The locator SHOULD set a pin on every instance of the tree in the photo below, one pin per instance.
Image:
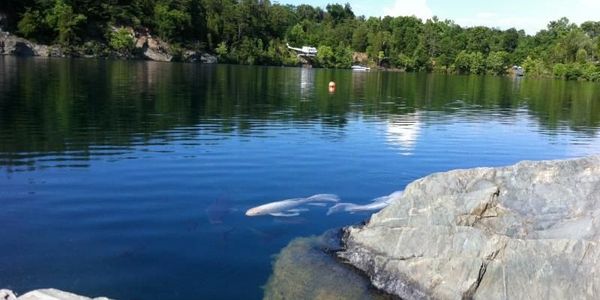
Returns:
(463, 62)
(496, 62)
(30, 25)
(477, 63)
(360, 38)
(533, 67)
(65, 22)
(326, 57)
(170, 21)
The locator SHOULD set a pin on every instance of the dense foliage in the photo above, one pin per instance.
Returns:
(256, 32)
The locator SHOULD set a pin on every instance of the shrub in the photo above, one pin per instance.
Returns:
(122, 41)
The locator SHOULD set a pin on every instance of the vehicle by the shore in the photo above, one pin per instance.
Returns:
(360, 68)
(518, 71)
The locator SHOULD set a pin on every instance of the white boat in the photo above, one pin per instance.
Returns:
(360, 68)
(304, 51)
(519, 71)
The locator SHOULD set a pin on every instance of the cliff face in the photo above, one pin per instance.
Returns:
(147, 47)
(528, 231)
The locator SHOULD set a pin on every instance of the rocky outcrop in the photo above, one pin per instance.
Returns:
(147, 47)
(305, 269)
(199, 57)
(154, 49)
(45, 294)
(528, 231)
(13, 45)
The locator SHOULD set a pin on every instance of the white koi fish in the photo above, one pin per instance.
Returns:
(376, 204)
(287, 208)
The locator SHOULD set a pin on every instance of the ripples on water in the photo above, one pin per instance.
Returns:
(131, 179)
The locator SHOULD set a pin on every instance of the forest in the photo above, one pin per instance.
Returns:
(255, 32)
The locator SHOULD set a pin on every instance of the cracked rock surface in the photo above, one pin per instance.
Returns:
(527, 231)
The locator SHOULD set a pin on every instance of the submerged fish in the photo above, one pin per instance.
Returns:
(287, 208)
(376, 204)
(218, 210)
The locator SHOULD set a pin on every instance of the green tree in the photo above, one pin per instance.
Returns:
(326, 57)
(122, 41)
(463, 62)
(477, 63)
(30, 24)
(581, 56)
(170, 21)
(533, 67)
(65, 22)
(496, 62)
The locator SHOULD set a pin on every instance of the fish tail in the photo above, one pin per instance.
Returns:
(340, 207)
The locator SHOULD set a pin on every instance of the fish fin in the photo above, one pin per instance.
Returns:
(284, 214)
(297, 210)
(323, 197)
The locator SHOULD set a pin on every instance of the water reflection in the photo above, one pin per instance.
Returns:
(71, 111)
(307, 83)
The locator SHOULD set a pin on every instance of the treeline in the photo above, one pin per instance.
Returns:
(256, 32)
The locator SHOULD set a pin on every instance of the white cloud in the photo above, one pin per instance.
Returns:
(418, 8)
(530, 24)
(533, 21)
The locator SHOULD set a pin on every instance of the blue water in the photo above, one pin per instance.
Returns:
(130, 179)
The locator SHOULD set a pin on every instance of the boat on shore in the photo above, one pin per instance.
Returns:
(360, 68)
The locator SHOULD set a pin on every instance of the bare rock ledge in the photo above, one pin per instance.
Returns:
(45, 294)
(528, 231)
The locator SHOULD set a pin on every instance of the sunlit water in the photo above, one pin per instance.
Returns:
(131, 179)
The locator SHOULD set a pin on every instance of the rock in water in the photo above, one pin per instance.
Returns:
(528, 231)
(304, 270)
(7, 295)
(45, 294)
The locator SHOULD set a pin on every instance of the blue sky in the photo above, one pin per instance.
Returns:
(531, 15)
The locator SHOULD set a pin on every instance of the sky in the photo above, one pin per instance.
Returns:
(530, 15)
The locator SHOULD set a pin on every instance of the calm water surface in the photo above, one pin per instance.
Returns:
(131, 179)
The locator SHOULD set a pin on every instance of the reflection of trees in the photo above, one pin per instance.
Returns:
(72, 106)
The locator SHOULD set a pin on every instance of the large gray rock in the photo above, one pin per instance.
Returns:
(45, 294)
(199, 57)
(154, 49)
(528, 231)
(7, 295)
(17, 46)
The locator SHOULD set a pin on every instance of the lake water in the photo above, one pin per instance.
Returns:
(130, 179)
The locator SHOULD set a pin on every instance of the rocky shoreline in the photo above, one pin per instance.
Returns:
(527, 231)
(146, 48)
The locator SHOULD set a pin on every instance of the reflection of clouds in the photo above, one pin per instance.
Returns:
(584, 146)
(403, 131)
